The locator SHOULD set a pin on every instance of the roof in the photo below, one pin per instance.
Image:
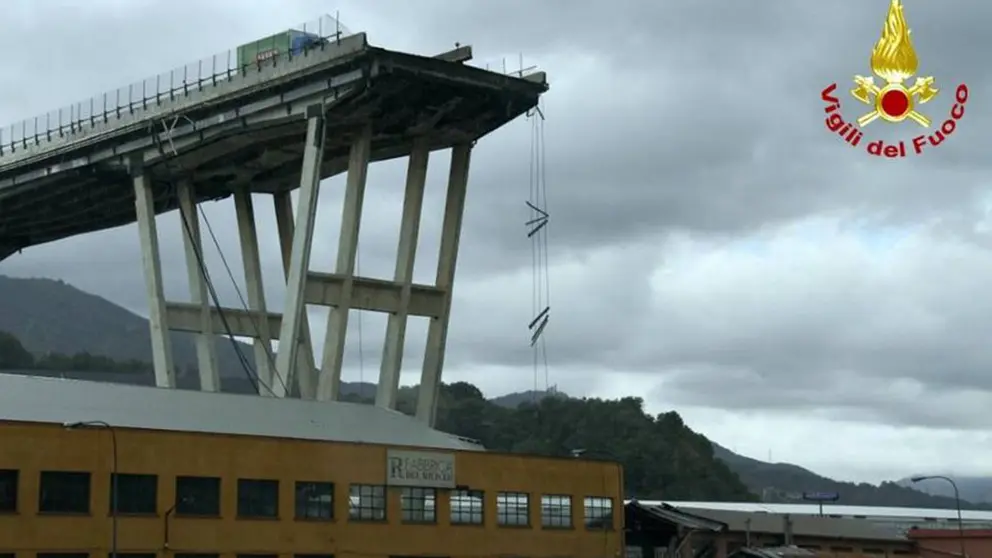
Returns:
(677, 517)
(916, 534)
(778, 552)
(59, 401)
(802, 525)
(873, 512)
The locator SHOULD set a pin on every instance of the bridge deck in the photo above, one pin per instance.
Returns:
(249, 132)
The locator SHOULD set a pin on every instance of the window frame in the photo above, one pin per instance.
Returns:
(321, 488)
(409, 496)
(133, 490)
(587, 519)
(184, 504)
(377, 493)
(65, 477)
(561, 520)
(514, 498)
(10, 487)
(251, 494)
(476, 509)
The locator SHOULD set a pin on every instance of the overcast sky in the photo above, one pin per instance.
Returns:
(713, 247)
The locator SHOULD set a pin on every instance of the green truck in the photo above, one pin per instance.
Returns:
(292, 41)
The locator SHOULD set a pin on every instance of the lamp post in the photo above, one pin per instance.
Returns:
(957, 503)
(113, 475)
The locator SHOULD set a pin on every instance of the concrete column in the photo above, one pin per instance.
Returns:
(307, 376)
(413, 202)
(144, 206)
(206, 350)
(299, 258)
(437, 332)
(253, 284)
(329, 383)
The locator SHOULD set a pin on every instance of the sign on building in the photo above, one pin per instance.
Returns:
(417, 468)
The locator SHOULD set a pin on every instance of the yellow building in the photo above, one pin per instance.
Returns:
(202, 475)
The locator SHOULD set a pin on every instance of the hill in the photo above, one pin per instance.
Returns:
(973, 489)
(785, 483)
(51, 316)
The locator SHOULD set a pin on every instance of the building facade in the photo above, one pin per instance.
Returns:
(218, 491)
(937, 543)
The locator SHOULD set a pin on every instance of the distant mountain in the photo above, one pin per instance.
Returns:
(52, 316)
(785, 483)
(973, 489)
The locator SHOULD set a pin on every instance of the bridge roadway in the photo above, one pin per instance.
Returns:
(249, 129)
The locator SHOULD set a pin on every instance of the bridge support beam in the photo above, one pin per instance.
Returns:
(206, 349)
(299, 259)
(329, 384)
(437, 332)
(144, 205)
(262, 345)
(307, 378)
(413, 202)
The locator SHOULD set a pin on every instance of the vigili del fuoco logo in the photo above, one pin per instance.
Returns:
(893, 61)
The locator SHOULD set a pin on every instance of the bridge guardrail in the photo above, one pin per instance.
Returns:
(510, 67)
(155, 90)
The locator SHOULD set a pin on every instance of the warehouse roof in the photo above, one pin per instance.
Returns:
(55, 400)
(802, 525)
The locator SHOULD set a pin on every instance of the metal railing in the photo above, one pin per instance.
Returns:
(506, 66)
(152, 92)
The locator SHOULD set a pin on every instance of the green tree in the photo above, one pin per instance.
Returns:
(13, 355)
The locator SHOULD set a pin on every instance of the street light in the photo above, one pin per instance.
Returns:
(113, 474)
(957, 503)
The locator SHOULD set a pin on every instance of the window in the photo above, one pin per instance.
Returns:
(135, 493)
(64, 492)
(8, 490)
(598, 512)
(257, 555)
(367, 502)
(195, 554)
(418, 504)
(313, 556)
(513, 508)
(197, 496)
(314, 500)
(133, 555)
(556, 510)
(466, 507)
(258, 498)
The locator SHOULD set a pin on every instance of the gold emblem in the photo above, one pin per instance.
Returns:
(894, 60)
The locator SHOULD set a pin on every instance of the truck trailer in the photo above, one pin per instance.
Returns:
(293, 42)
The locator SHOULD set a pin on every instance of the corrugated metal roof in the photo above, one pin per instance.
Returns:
(54, 400)
(872, 512)
(778, 552)
(677, 517)
(802, 525)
